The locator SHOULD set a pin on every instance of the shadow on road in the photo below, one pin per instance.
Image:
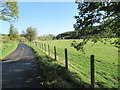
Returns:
(20, 69)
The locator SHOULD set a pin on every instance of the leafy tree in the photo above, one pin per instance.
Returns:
(11, 30)
(30, 34)
(4, 38)
(46, 37)
(9, 10)
(23, 33)
(68, 35)
(22, 39)
(13, 33)
(97, 20)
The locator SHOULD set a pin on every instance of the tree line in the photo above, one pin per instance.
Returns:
(94, 20)
(29, 34)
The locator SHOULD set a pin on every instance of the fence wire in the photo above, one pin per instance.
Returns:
(81, 64)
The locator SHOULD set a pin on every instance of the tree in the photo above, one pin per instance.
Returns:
(97, 20)
(46, 37)
(30, 34)
(13, 33)
(23, 34)
(4, 38)
(9, 10)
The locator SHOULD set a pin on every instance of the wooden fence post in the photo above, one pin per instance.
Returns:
(66, 59)
(55, 52)
(48, 50)
(42, 46)
(36, 43)
(92, 71)
(45, 47)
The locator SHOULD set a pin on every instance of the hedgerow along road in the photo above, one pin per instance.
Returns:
(20, 69)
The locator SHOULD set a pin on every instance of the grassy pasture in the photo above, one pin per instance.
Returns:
(53, 75)
(7, 48)
(106, 61)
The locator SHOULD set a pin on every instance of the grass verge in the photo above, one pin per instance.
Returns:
(7, 48)
(54, 75)
(106, 61)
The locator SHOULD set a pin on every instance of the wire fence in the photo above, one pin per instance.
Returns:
(65, 58)
(90, 70)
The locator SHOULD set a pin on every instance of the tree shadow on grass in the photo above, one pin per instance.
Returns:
(56, 76)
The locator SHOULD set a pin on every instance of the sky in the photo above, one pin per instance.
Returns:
(46, 17)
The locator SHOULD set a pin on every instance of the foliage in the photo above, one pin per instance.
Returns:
(22, 34)
(30, 34)
(13, 33)
(22, 40)
(9, 11)
(4, 38)
(106, 61)
(68, 35)
(97, 20)
(46, 37)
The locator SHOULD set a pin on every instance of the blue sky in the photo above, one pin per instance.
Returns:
(46, 17)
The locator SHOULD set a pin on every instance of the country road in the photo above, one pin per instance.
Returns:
(20, 69)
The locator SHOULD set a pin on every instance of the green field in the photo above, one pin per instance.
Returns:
(106, 61)
(7, 48)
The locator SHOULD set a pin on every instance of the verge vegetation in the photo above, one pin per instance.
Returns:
(7, 48)
(53, 75)
(106, 61)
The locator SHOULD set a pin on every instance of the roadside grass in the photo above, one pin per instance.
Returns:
(53, 75)
(106, 61)
(6, 48)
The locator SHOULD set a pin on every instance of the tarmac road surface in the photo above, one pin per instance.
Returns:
(20, 69)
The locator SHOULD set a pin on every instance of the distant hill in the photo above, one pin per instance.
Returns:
(77, 34)
(68, 35)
